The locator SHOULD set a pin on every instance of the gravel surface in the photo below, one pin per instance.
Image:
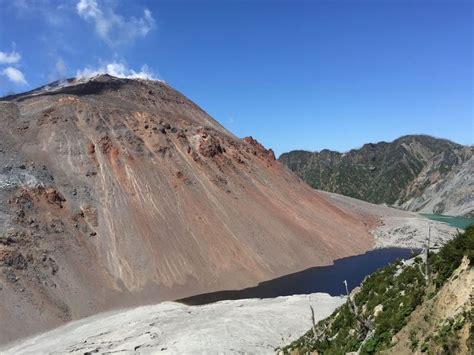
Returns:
(396, 228)
(241, 326)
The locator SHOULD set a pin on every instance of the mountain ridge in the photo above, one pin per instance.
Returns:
(396, 173)
(120, 192)
(381, 142)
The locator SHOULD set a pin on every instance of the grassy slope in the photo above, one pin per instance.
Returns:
(387, 300)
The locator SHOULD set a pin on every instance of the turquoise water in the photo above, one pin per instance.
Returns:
(458, 222)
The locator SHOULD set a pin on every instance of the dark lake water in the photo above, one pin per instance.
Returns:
(328, 279)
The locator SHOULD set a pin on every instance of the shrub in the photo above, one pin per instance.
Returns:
(399, 296)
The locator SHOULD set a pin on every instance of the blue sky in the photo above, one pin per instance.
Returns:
(293, 74)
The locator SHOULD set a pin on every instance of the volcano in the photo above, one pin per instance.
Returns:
(119, 192)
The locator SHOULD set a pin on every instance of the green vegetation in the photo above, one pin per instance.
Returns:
(447, 335)
(378, 173)
(382, 306)
(413, 340)
(449, 257)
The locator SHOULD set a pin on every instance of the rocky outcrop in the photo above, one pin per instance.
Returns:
(450, 194)
(258, 149)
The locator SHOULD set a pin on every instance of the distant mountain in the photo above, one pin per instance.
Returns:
(415, 172)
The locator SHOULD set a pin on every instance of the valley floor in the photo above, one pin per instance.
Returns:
(241, 326)
(396, 228)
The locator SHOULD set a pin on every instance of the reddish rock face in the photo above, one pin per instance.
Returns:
(259, 149)
(121, 192)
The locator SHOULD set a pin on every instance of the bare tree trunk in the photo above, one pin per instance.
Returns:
(427, 252)
(365, 323)
(314, 322)
(352, 306)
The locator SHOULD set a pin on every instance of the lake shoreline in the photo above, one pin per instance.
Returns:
(321, 279)
(454, 221)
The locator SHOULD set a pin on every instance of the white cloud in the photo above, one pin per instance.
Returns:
(113, 28)
(118, 70)
(14, 75)
(9, 58)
